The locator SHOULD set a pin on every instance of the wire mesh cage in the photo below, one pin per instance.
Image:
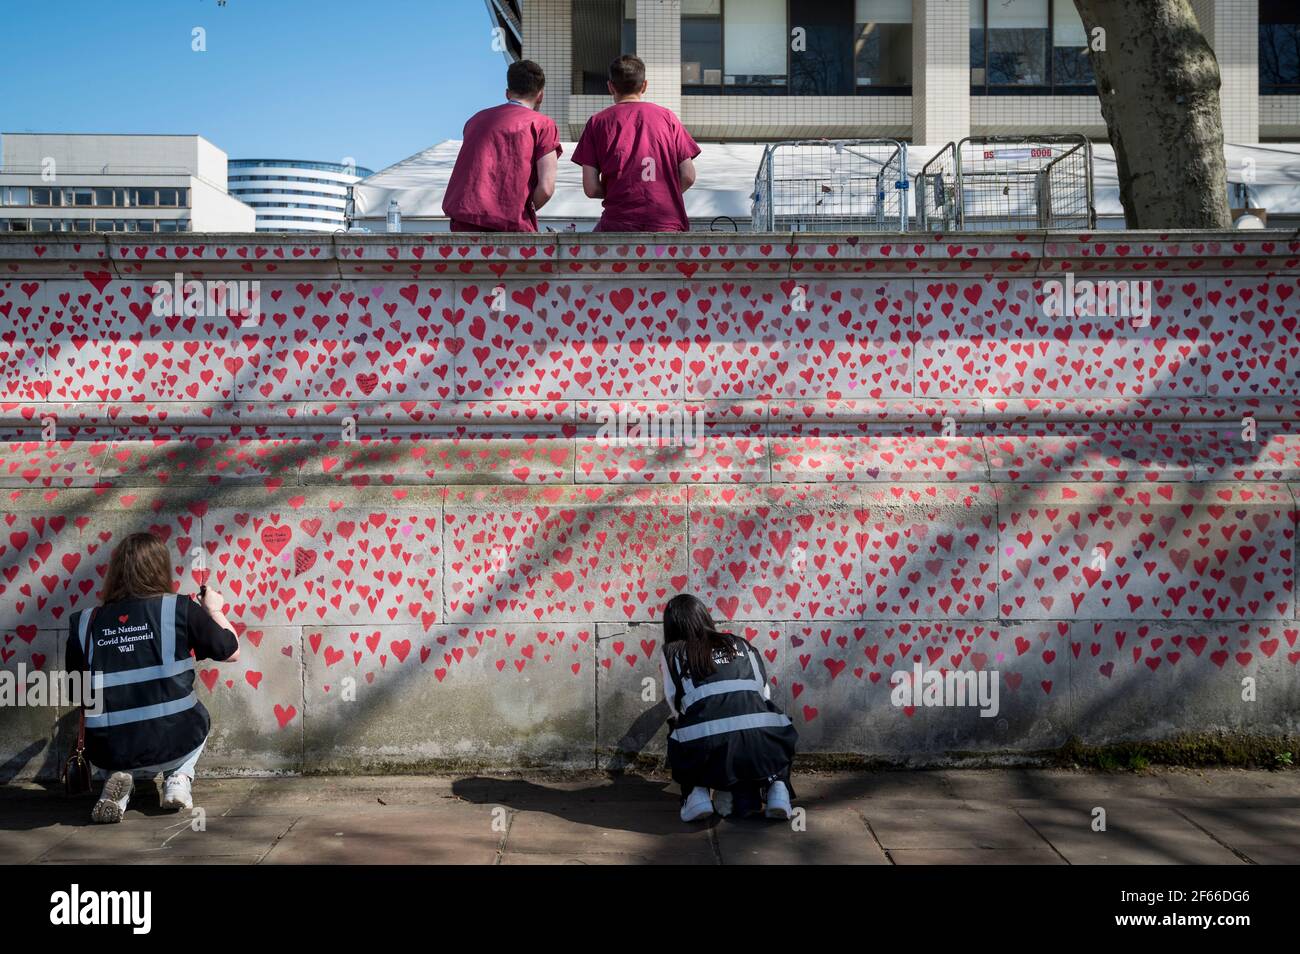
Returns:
(825, 185)
(938, 200)
(1001, 183)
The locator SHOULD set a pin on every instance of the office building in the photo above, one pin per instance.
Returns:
(292, 195)
(61, 182)
(925, 71)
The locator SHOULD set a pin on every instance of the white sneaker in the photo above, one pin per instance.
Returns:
(698, 805)
(113, 799)
(778, 801)
(176, 792)
(722, 803)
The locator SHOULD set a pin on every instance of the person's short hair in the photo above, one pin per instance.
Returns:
(525, 79)
(627, 74)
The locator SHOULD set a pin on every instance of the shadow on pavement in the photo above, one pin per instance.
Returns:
(624, 802)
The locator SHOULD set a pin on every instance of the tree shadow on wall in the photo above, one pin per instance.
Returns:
(572, 804)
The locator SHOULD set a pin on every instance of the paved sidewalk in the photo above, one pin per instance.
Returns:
(924, 817)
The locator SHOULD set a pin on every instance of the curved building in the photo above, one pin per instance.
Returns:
(292, 195)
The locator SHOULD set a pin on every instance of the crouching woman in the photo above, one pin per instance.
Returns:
(726, 733)
(139, 648)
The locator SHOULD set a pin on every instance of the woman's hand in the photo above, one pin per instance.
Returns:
(213, 601)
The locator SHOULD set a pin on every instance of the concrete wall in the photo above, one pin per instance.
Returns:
(483, 572)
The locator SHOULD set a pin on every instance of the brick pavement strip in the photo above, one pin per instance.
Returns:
(1012, 816)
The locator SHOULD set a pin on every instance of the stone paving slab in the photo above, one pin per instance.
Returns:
(961, 825)
(1268, 825)
(834, 834)
(1273, 854)
(1150, 832)
(975, 856)
(170, 838)
(655, 835)
(435, 835)
(24, 846)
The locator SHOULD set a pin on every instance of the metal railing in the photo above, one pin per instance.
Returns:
(825, 185)
(1004, 183)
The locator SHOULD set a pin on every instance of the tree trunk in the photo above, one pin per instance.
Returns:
(1158, 82)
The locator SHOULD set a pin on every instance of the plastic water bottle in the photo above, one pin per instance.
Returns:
(394, 216)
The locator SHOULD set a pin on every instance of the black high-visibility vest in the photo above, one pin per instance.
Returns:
(147, 712)
(727, 733)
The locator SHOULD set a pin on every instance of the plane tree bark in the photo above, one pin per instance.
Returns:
(1158, 81)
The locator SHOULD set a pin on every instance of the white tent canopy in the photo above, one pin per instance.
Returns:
(725, 184)
(726, 180)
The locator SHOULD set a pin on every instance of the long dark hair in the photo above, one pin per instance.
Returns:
(139, 567)
(689, 629)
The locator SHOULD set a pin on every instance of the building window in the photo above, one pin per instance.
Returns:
(1279, 47)
(1017, 42)
(702, 42)
(882, 47)
(1070, 63)
(736, 46)
(601, 32)
(821, 61)
(1020, 46)
(755, 41)
(629, 30)
(803, 47)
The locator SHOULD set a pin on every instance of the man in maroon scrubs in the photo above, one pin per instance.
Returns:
(637, 157)
(505, 171)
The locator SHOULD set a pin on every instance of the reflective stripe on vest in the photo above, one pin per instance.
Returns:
(168, 668)
(148, 674)
(703, 730)
(141, 714)
(83, 626)
(718, 688)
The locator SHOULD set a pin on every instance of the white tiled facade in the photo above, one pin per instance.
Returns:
(940, 65)
(1279, 117)
(795, 117)
(659, 44)
(940, 107)
(1029, 115)
(1232, 27)
(548, 42)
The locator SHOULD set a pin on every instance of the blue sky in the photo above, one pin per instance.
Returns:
(376, 80)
